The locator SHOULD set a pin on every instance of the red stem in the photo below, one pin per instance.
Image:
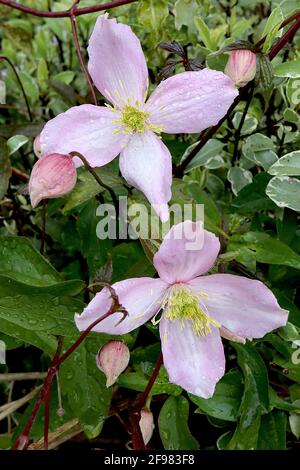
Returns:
(79, 54)
(137, 438)
(66, 13)
(43, 395)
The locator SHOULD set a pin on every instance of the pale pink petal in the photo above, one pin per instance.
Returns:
(146, 164)
(117, 63)
(191, 101)
(186, 252)
(87, 129)
(195, 363)
(244, 306)
(141, 297)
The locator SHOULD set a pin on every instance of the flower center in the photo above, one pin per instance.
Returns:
(133, 119)
(183, 305)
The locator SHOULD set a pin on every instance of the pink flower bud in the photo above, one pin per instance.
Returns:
(52, 176)
(37, 146)
(146, 424)
(112, 360)
(241, 66)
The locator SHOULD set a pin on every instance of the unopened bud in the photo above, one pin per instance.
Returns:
(146, 424)
(112, 360)
(52, 176)
(37, 146)
(241, 66)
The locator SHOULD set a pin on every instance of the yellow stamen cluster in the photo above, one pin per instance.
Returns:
(134, 120)
(184, 305)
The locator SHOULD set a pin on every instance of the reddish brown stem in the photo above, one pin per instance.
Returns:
(79, 54)
(66, 13)
(137, 438)
(23, 440)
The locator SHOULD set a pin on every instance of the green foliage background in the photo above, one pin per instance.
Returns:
(252, 201)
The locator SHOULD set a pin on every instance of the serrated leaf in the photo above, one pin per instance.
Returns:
(173, 425)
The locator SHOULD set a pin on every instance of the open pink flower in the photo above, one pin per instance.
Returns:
(196, 310)
(186, 103)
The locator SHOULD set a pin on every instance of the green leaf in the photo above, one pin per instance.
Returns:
(225, 402)
(239, 178)
(204, 33)
(285, 192)
(93, 249)
(253, 197)
(43, 309)
(211, 150)
(16, 142)
(289, 69)
(173, 425)
(255, 401)
(5, 169)
(272, 431)
(271, 27)
(30, 85)
(288, 165)
(138, 381)
(21, 261)
(84, 385)
(260, 149)
(67, 76)
(265, 249)
(294, 420)
(87, 187)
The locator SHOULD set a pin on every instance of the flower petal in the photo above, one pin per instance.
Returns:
(86, 129)
(146, 163)
(191, 101)
(195, 363)
(117, 63)
(244, 306)
(186, 252)
(141, 297)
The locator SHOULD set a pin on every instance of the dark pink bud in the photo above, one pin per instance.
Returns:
(112, 360)
(52, 176)
(241, 66)
(146, 424)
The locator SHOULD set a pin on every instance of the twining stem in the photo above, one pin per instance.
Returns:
(179, 170)
(79, 54)
(2, 57)
(97, 178)
(65, 13)
(137, 438)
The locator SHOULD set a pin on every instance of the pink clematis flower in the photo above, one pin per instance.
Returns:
(196, 309)
(185, 103)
